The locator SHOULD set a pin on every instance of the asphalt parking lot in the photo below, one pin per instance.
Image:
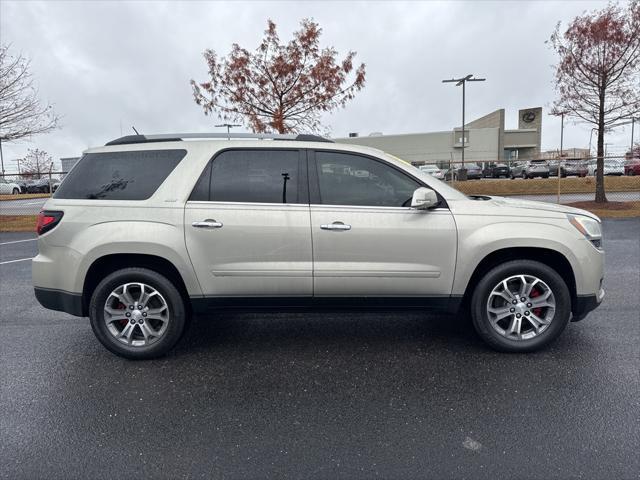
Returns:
(322, 395)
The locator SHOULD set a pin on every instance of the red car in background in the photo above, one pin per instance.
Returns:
(633, 167)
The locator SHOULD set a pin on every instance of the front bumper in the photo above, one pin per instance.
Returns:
(585, 304)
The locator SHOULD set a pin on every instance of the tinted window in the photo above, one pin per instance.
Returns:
(201, 190)
(119, 175)
(257, 176)
(346, 179)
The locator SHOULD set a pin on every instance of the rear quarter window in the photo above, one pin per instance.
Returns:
(132, 175)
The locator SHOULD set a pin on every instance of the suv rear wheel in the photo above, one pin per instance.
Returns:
(520, 306)
(137, 313)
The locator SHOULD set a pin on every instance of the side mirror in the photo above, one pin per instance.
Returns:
(424, 198)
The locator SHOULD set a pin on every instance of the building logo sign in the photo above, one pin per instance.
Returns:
(528, 117)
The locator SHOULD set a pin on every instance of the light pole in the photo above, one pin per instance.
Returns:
(559, 171)
(561, 115)
(633, 123)
(1, 159)
(590, 137)
(561, 133)
(228, 125)
(463, 81)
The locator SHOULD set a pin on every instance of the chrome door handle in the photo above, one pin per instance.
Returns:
(207, 224)
(335, 226)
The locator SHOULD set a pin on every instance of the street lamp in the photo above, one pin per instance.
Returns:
(590, 137)
(463, 81)
(228, 125)
(633, 124)
(561, 115)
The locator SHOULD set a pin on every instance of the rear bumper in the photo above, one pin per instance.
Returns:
(585, 304)
(60, 300)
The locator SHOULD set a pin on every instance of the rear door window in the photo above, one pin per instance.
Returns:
(132, 175)
(253, 176)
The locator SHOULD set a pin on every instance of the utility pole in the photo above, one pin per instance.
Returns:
(561, 133)
(559, 172)
(633, 122)
(229, 126)
(1, 159)
(462, 173)
(590, 137)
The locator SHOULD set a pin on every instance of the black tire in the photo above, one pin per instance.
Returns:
(177, 320)
(524, 175)
(545, 176)
(480, 297)
(15, 191)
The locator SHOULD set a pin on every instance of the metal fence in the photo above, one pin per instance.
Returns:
(566, 181)
(22, 197)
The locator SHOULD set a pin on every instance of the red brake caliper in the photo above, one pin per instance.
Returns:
(536, 311)
(124, 321)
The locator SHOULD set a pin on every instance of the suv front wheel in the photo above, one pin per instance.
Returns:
(137, 313)
(520, 306)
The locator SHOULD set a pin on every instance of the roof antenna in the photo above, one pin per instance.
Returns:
(134, 129)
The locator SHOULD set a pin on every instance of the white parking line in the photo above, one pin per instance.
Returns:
(14, 261)
(34, 203)
(19, 241)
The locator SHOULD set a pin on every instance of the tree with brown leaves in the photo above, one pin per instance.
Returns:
(279, 87)
(598, 73)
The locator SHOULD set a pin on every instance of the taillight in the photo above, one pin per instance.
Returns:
(47, 220)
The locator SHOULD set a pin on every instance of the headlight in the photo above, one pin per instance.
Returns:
(590, 228)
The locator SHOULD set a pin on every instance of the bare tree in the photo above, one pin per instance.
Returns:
(22, 114)
(598, 73)
(35, 163)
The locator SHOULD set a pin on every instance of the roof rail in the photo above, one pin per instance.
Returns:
(173, 137)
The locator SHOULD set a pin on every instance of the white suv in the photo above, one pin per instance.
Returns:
(149, 230)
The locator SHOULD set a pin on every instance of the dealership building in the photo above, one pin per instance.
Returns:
(486, 140)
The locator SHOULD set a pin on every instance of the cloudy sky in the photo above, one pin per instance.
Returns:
(109, 65)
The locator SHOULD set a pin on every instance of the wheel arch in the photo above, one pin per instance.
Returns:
(103, 266)
(552, 258)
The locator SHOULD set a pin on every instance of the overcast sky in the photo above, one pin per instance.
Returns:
(109, 65)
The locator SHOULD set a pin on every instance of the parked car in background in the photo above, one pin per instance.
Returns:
(611, 167)
(432, 170)
(23, 185)
(7, 187)
(574, 168)
(474, 172)
(632, 167)
(496, 170)
(568, 168)
(530, 169)
(44, 185)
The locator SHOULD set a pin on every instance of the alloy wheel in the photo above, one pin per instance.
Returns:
(521, 307)
(136, 314)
